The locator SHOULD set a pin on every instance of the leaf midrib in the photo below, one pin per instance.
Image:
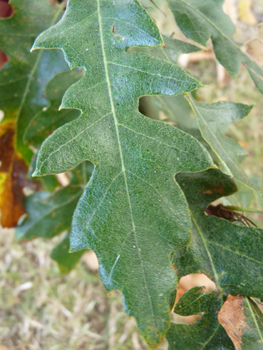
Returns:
(206, 248)
(120, 150)
(227, 38)
(212, 24)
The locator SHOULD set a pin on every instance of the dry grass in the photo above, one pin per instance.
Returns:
(40, 309)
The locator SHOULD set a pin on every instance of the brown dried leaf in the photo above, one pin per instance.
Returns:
(13, 178)
(232, 318)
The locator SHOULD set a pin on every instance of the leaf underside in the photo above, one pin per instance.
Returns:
(132, 213)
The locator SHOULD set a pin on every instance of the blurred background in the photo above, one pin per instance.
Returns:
(40, 308)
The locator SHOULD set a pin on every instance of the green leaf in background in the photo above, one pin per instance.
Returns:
(200, 20)
(206, 333)
(21, 96)
(24, 77)
(211, 118)
(49, 214)
(243, 321)
(47, 121)
(66, 261)
(170, 52)
(132, 213)
(229, 254)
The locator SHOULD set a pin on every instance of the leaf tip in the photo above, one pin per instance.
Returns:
(34, 47)
(213, 166)
(36, 173)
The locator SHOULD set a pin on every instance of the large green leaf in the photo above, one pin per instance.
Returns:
(229, 254)
(132, 213)
(200, 20)
(206, 333)
(22, 95)
(211, 118)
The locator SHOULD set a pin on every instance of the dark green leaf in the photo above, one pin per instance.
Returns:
(200, 20)
(66, 260)
(206, 333)
(132, 213)
(219, 248)
(49, 214)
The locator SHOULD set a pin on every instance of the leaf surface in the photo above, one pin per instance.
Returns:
(21, 95)
(219, 248)
(132, 213)
(206, 333)
(201, 20)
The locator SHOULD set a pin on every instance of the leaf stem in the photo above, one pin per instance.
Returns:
(233, 208)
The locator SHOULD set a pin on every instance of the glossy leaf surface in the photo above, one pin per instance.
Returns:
(132, 213)
(201, 20)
